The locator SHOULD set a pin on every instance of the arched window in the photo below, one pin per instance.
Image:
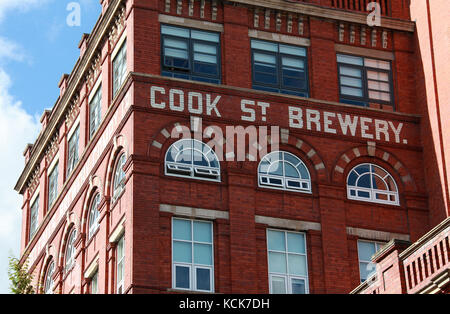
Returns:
(285, 171)
(119, 176)
(70, 250)
(94, 216)
(371, 183)
(48, 283)
(193, 159)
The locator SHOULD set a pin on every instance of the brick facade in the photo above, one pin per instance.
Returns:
(390, 136)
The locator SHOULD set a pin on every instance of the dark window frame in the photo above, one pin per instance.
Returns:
(279, 68)
(365, 101)
(189, 73)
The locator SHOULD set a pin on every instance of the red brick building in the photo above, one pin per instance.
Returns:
(115, 202)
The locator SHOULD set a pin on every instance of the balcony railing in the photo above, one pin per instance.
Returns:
(424, 263)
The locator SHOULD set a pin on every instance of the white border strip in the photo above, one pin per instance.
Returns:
(191, 212)
(286, 39)
(185, 22)
(288, 224)
(376, 235)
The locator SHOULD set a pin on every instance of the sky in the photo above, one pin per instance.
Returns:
(38, 43)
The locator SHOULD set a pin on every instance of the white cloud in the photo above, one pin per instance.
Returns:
(22, 5)
(17, 128)
(10, 50)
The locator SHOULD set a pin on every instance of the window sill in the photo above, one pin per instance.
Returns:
(181, 291)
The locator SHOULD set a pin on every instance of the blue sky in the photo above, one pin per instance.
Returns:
(36, 47)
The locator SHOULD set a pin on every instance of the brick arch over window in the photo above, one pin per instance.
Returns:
(95, 186)
(70, 224)
(50, 256)
(346, 158)
(164, 136)
(308, 154)
(120, 144)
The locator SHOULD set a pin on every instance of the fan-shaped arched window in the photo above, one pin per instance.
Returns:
(193, 159)
(285, 171)
(119, 176)
(48, 283)
(93, 215)
(70, 250)
(371, 183)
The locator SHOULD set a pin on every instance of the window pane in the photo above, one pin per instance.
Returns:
(350, 71)
(377, 64)
(277, 263)
(276, 240)
(293, 62)
(202, 231)
(182, 229)
(182, 277)
(354, 82)
(206, 36)
(182, 252)
(203, 279)
(350, 59)
(278, 285)
(365, 250)
(379, 76)
(297, 265)
(175, 31)
(203, 254)
(290, 171)
(366, 270)
(265, 58)
(264, 45)
(298, 286)
(296, 51)
(351, 91)
(296, 243)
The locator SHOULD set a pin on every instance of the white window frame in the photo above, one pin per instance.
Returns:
(93, 96)
(53, 167)
(70, 260)
(94, 283)
(92, 228)
(75, 129)
(34, 202)
(48, 283)
(192, 266)
(378, 246)
(372, 192)
(117, 190)
(287, 278)
(121, 44)
(120, 263)
(284, 180)
(191, 171)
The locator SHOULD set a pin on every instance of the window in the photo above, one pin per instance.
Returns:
(95, 114)
(190, 54)
(120, 264)
(119, 177)
(193, 159)
(48, 284)
(279, 68)
(119, 68)
(288, 267)
(70, 250)
(192, 255)
(370, 183)
(364, 80)
(285, 171)
(34, 211)
(94, 283)
(366, 249)
(73, 150)
(94, 216)
(52, 186)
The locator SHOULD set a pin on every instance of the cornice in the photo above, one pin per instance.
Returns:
(58, 113)
(329, 13)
